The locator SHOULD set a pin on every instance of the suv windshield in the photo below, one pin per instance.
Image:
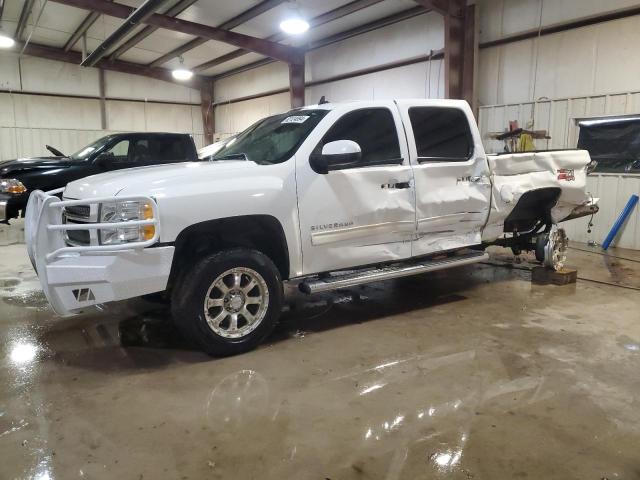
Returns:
(85, 152)
(272, 140)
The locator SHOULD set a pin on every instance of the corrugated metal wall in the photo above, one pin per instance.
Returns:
(49, 102)
(614, 191)
(559, 117)
(30, 142)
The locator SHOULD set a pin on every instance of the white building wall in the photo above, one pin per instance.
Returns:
(29, 121)
(560, 117)
(587, 72)
(405, 40)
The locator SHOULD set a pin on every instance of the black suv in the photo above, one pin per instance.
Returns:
(18, 178)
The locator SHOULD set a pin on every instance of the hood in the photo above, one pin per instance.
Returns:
(9, 168)
(155, 180)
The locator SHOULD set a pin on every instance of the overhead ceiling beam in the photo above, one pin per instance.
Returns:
(139, 15)
(53, 53)
(177, 9)
(263, 47)
(352, 32)
(81, 30)
(176, 52)
(443, 7)
(24, 17)
(330, 16)
(244, 17)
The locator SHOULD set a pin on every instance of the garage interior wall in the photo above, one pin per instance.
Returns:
(551, 80)
(406, 40)
(48, 102)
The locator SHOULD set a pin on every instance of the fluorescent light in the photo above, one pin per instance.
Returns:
(294, 26)
(6, 41)
(182, 74)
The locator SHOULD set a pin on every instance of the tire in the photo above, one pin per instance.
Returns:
(157, 297)
(212, 329)
(541, 242)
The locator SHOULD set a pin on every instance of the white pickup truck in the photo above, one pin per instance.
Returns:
(328, 196)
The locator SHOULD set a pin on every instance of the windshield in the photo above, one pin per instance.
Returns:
(272, 140)
(85, 152)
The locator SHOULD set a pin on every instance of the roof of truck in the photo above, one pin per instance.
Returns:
(445, 102)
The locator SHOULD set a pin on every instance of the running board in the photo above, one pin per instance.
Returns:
(385, 273)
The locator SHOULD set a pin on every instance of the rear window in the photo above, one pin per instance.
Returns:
(441, 134)
(170, 148)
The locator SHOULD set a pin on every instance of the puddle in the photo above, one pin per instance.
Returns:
(9, 283)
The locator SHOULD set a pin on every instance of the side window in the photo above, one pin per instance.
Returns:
(169, 149)
(371, 128)
(140, 154)
(441, 134)
(120, 151)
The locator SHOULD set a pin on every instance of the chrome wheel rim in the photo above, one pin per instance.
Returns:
(556, 249)
(236, 302)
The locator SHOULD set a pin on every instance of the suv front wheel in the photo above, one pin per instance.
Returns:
(229, 301)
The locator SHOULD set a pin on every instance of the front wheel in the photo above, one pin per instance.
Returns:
(229, 301)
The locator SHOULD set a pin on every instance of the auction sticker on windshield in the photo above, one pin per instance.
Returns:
(295, 119)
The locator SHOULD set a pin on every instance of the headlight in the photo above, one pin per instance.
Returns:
(114, 212)
(11, 185)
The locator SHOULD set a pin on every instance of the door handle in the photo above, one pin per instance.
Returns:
(396, 186)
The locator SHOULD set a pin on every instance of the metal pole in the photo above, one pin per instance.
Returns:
(620, 221)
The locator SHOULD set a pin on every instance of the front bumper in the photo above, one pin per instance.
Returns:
(76, 277)
(3, 210)
(10, 206)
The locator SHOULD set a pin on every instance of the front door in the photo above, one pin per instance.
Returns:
(362, 215)
(452, 183)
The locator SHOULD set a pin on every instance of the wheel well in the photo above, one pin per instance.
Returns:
(533, 207)
(258, 232)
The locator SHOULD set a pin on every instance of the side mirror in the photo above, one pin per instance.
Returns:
(336, 155)
(104, 160)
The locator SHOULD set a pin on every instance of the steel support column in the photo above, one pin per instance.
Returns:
(454, 50)
(103, 101)
(208, 120)
(470, 60)
(460, 47)
(296, 82)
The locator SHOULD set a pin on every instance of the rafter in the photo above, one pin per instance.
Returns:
(136, 17)
(81, 30)
(338, 37)
(263, 47)
(443, 7)
(24, 17)
(327, 17)
(177, 9)
(244, 17)
(53, 53)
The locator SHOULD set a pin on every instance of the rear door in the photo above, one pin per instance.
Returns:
(362, 215)
(452, 184)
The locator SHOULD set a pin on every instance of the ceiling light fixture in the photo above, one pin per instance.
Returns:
(294, 24)
(6, 41)
(182, 73)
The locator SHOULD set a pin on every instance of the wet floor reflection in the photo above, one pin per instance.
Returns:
(472, 373)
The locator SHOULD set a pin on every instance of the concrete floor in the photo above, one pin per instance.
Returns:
(470, 373)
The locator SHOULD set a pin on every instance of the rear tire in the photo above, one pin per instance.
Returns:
(228, 302)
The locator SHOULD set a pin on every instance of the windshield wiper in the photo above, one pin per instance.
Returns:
(233, 156)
